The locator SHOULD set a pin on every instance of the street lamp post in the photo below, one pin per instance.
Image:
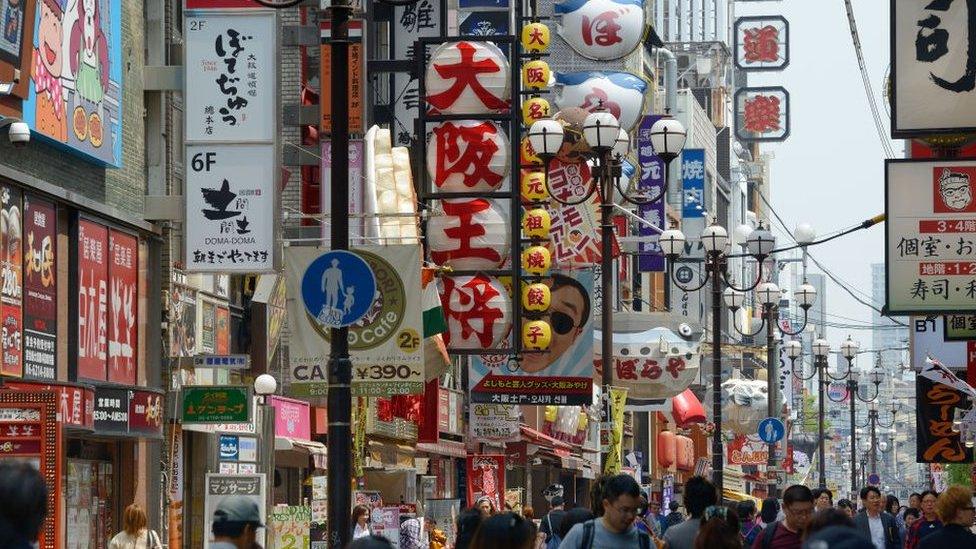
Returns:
(714, 239)
(849, 349)
(820, 350)
(874, 420)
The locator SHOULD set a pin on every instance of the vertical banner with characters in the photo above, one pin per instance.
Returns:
(75, 92)
(651, 259)
(560, 375)
(940, 398)
(11, 272)
(40, 289)
(92, 300)
(123, 274)
(618, 400)
(486, 479)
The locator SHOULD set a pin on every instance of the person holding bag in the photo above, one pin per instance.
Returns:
(135, 533)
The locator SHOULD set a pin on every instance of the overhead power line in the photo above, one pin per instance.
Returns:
(866, 82)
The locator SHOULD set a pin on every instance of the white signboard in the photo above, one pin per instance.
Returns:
(230, 76)
(933, 71)
(928, 340)
(930, 236)
(418, 20)
(494, 422)
(230, 208)
(220, 486)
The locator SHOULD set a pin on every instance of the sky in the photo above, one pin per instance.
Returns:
(830, 171)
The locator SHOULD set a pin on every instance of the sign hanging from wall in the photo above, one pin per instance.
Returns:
(652, 182)
(762, 114)
(486, 478)
(939, 399)
(40, 289)
(959, 327)
(417, 20)
(11, 273)
(123, 298)
(385, 344)
(933, 69)
(930, 236)
(92, 260)
(182, 321)
(216, 405)
(762, 43)
(219, 486)
(693, 183)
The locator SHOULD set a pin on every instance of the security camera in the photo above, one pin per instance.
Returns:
(19, 134)
(684, 330)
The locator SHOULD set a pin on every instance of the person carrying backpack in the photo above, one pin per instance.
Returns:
(615, 529)
(750, 527)
(549, 525)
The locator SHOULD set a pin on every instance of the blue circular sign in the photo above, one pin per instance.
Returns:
(771, 430)
(874, 479)
(338, 289)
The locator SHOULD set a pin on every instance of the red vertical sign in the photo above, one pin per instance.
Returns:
(92, 300)
(486, 478)
(971, 363)
(12, 289)
(123, 326)
(40, 289)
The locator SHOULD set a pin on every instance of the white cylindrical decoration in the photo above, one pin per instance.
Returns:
(468, 156)
(600, 129)
(469, 234)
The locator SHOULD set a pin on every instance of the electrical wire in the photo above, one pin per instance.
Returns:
(866, 82)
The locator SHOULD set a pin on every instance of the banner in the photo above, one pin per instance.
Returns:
(220, 486)
(92, 275)
(290, 525)
(693, 183)
(652, 171)
(40, 289)
(618, 400)
(486, 478)
(930, 219)
(937, 405)
(560, 375)
(744, 451)
(11, 272)
(494, 422)
(385, 346)
(123, 276)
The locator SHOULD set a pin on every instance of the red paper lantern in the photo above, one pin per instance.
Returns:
(665, 449)
(468, 78)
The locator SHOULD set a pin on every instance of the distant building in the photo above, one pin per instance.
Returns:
(887, 334)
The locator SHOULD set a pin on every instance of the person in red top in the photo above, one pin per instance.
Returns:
(788, 533)
(928, 524)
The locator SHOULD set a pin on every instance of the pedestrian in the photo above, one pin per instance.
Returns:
(505, 531)
(486, 506)
(875, 523)
(826, 518)
(955, 508)
(413, 534)
(838, 537)
(652, 519)
(528, 513)
(360, 521)
(719, 529)
(370, 542)
(235, 523)
(553, 519)
(915, 501)
(674, 515)
(596, 495)
(699, 494)
(822, 499)
(749, 527)
(769, 513)
(467, 525)
(615, 529)
(24, 496)
(788, 533)
(911, 515)
(894, 508)
(847, 506)
(135, 534)
(927, 524)
(573, 517)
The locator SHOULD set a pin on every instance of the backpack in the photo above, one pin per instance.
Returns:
(589, 529)
(553, 541)
(768, 534)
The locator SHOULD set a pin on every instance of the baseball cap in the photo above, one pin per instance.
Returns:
(238, 509)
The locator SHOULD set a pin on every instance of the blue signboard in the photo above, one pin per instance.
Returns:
(771, 430)
(480, 4)
(692, 183)
(650, 258)
(484, 23)
(338, 289)
(229, 448)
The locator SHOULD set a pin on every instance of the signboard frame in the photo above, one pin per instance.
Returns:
(189, 390)
(949, 335)
(736, 48)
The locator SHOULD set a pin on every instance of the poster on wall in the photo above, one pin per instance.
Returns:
(92, 306)
(76, 88)
(290, 525)
(929, 236)
(220, 486)
(223, 331)
(933, 81)
(123, 301)
(183, 321)
(561, 375)
(40, 289)
(208, 327)
(486, 479)
(11, 281)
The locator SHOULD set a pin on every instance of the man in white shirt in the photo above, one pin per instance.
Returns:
(881, 527)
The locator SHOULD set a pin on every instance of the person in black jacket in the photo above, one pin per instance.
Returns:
(955, 507)
(876, 524)
(550, 523)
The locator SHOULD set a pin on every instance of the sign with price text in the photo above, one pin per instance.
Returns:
(930, 236)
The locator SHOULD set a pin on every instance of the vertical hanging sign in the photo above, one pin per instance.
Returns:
(40, 289)
(652, 181)
(11, 287)
(123, 307)
(355, 88)
(92, 300)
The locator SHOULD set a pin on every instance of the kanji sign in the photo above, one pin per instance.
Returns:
(112, 410)
(601, 29)
(420, 19)
(354, 90)
(123, 296)
(762, 43)
(468, 156)
(959, 327)
(762, 114)
(478, 311)
(486, 478)
(933, 67)
(92, 265)
(652, 182)
(219, 486)
(216, 405)
(40, 289)
(575, 233)
(469, 234)
(621, 93)
(693, 183)
(12, 290)
(937, 405)
(930, 236)
(468, 78)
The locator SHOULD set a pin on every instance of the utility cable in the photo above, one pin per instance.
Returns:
(866, 81)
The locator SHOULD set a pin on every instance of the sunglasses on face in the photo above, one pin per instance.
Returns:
(561, 322)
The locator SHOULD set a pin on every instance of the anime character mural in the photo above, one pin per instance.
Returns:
(76, 83)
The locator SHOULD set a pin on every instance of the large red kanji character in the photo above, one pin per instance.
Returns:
(761, 114)
(597, 98)
(627, 369)
(474, 298)
(465, 75)
(601, 30)
(467, 151)
(535, 296)
(535, 37)
(534, 333)
(465, 232)
(761, 45)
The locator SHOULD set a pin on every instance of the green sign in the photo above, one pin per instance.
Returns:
(960, 327)
(216, 405)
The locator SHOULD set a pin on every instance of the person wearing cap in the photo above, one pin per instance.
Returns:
(550, 523)
(235, 523)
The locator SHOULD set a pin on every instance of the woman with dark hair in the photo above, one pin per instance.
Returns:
(955, 508)
(749, 527)
(24, 496)
(826, 518)
(360, 521)
(370, 542)
(505, 531)
(467, 524)
(573, 517)
(893, 507)
(770, 511)
(719, 529)
(847, 506)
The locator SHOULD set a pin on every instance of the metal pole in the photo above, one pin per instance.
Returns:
(822, 466)
(772, 391)
(873, 418)
(606, 278)
(340, 367)
(717, 457)
(852, 390)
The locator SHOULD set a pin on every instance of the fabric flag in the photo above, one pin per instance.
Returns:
(618, 399)
(938, 373)
(436, 360)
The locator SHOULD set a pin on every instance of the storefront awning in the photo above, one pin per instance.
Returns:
(444, 448)
(739, 496)
(285, 444)
(557, 447)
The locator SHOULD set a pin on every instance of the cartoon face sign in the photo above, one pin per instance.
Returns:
(953, 189)
(601, 29)
(620, 93)
(49, 37)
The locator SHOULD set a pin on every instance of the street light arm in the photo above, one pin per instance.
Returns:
(801, 377)
(887, 425)
(762, 326)
(868, 400)
(637, 202)
(587, 196)
(802, 326)
(759, 278)
(841, 377)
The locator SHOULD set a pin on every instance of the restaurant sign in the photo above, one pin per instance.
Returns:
(215, 405)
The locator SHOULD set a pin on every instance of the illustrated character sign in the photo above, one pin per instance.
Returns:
(953, 189)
